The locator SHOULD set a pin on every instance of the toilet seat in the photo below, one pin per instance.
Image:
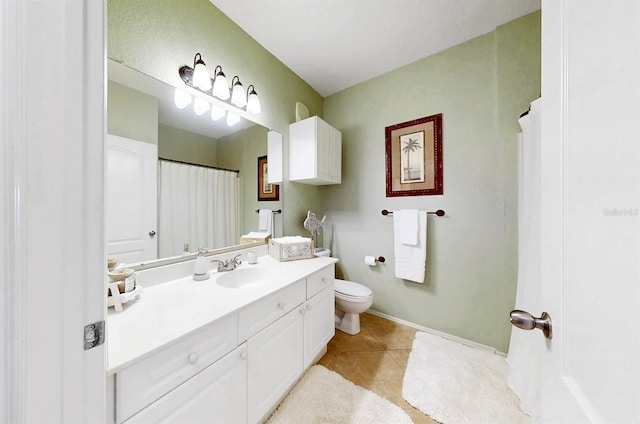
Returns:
(349, 290)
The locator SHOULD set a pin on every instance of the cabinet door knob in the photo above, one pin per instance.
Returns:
(243, 356)
(302, 311)
(308, 307)
(323, 279)
(280, 305)
(193, 358)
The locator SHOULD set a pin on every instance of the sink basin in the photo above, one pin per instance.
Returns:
(243, 277)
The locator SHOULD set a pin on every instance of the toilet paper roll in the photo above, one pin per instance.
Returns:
(370, 260)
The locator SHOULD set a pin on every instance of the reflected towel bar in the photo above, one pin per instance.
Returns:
(277, 211)
(439, 212)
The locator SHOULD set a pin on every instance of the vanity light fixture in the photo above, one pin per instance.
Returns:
(238, 96)
(253, 103)
(199, 79)
(217, 112)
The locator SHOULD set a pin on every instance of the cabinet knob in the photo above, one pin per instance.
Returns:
(243, 356)
(308, 307)
(302, 311)
(280, 305)
(193, 358)
(323, 279)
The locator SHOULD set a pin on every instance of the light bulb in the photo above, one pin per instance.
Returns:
(238, 96)
(217, 112)
(181, 98)
(220, 86)
(200, 78)
(253, 103)
(200, 106)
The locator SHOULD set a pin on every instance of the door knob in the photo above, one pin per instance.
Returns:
(152, 233)
(526, 321)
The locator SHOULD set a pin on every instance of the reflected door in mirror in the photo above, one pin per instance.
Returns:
(131, 193)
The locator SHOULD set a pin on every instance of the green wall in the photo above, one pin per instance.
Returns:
(480, 87)
(185, 146)
(230, 155)
(156, 37)
(131, 114)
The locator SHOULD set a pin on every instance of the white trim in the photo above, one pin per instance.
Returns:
(12, 121)
(437, 333)
(52, 209)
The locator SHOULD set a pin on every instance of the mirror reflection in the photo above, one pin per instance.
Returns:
(177, 180)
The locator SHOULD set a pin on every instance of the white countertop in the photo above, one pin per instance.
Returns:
(169, 311)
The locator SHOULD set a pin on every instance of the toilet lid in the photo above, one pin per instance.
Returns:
(350, 288)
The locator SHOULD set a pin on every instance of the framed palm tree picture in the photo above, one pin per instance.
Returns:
(414, 157)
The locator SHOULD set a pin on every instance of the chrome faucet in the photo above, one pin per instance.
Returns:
(229, 265)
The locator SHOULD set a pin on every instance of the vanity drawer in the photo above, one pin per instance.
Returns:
(318, 281)
(142, 383)
(258, 315)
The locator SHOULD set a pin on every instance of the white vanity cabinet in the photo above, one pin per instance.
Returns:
(237, 368)
(282, 351)
(319, 318)
(315, 152)
(319, 324)
(218, 394)
(275, 362)
(156, 375)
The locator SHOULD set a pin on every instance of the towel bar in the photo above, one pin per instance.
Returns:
(276, 211)
(439, 212)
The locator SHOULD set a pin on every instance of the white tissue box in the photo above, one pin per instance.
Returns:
(289, 249)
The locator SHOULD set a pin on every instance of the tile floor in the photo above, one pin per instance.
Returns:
(375, 359)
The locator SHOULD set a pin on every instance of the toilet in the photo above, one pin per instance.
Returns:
(351, 300)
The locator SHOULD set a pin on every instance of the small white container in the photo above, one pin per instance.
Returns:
(252, 257)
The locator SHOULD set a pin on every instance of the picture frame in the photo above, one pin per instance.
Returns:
(413, 157)
(266, 191)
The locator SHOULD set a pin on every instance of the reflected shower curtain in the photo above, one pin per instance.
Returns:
(198, 206)
(526, 347)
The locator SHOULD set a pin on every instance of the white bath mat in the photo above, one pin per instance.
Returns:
(322, 396)
(453, 383)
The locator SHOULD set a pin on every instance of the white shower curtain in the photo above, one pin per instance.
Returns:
(198, 206)
(525, 347)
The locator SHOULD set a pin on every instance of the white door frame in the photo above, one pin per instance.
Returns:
(52, 123)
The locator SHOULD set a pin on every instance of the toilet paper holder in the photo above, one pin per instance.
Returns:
(372, 260)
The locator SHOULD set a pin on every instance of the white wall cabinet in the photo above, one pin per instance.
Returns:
(238, 368)
(315, 152)
(274, 157)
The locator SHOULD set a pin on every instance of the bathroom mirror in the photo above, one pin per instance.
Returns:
(142, 109)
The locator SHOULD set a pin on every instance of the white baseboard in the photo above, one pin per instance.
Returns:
(437, 333)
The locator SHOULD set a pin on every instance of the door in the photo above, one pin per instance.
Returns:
(131, 199)
(319, 323)
(590, 210)
(275, 362)
(52, 201)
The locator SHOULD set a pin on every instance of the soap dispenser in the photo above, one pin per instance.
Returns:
(201, 268)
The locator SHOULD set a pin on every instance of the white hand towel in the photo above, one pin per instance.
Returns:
(264, 220)
(410, 261)
(408, 220)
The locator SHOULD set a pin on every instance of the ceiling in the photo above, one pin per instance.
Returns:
(336, 44)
